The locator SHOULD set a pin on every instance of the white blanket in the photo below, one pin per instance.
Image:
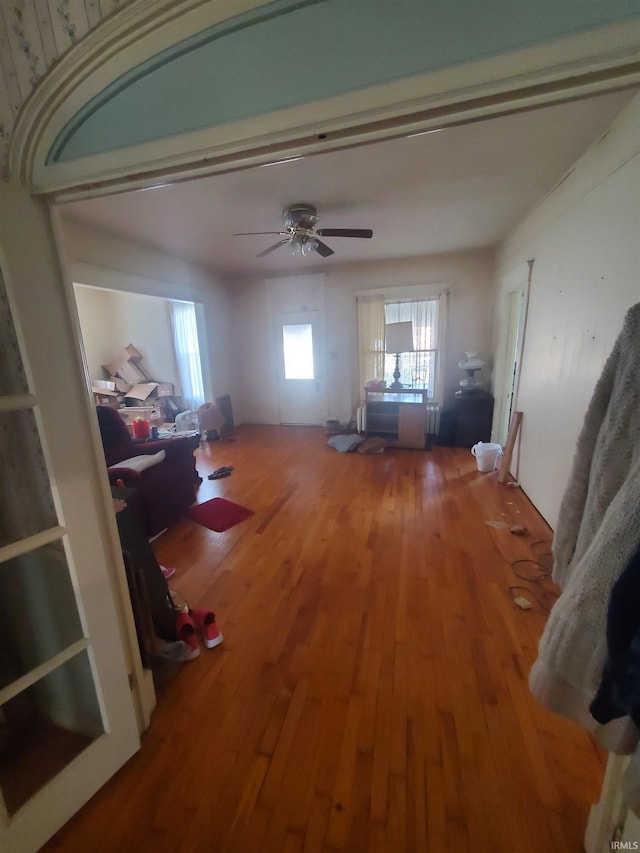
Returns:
(141, 463)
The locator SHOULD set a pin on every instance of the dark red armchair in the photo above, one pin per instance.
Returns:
(163, 491)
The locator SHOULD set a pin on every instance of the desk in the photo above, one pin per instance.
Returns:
(400, 416)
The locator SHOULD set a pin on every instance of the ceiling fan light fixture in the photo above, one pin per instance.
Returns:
(309, 245)
(301, 244)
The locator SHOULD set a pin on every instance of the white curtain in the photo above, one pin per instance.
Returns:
(370, 339)
(420, 368)
(187, 352)
(443, 327)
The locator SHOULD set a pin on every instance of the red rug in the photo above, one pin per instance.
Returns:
(218, 514)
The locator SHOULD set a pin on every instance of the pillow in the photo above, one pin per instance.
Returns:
(141, 463)
(345, 443)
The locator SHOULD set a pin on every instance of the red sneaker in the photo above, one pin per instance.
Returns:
(206, 621)
(186, 631)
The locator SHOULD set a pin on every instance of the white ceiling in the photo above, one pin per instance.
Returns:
(460, 188)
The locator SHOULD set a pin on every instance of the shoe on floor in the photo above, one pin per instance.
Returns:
(205, 620)
(178, 603)
(178, 651)
(167, 573)
(186, 631)
(221, 472)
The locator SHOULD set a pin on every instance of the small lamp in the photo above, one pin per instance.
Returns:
(398, 338)
(471, 363)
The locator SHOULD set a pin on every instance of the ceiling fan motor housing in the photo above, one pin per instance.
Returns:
(300, 216)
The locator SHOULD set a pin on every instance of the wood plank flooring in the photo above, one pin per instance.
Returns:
(371, 692)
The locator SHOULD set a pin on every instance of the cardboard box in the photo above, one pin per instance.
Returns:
(99, 385)
(106, 400)
(111, 369)
(131, 373)
(142, 391)
(165, 389)
(131, 353)
(121, 385)
(151, 413)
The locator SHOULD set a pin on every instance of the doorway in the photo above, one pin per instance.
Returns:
(297, 308)
(512, 308)
(302, 397)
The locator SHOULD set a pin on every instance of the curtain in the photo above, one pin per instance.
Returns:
(370, 339)
(418, 369)
(187, 352)
(443, 331)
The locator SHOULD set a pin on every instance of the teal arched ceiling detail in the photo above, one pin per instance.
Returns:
(297, 51)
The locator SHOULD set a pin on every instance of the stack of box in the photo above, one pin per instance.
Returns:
(105, 393)
(133, 391)
(128, 367)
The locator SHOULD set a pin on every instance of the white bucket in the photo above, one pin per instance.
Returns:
(486, 455)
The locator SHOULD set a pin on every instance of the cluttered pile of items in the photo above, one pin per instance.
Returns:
(132, 390)
(148, 404)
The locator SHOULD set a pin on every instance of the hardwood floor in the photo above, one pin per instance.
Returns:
(371, 692)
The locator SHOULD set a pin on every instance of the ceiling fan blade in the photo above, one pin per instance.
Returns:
(323, 249)
(345, 232)
(250, 233)
(271, 248)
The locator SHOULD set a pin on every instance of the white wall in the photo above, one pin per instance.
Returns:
(111, 319)
(97, 259)
(469, 275)
(97, 315)
(584, 239)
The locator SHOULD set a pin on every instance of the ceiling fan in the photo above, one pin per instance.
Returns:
(302, 235)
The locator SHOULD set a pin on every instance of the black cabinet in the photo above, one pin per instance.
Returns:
(472, 415)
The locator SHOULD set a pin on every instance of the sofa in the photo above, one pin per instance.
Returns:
(165, 489)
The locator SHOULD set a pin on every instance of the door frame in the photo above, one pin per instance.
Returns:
(508, 364)
(142, 686)
(319, 344)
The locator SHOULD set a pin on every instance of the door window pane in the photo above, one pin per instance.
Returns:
(38, 613)
(297, 340)
(12, 375)
(45, 727)
(26, 504)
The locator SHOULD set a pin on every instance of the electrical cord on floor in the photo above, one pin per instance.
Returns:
(536, 578)
(538, 592)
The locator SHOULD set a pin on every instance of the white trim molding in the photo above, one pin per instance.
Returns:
(600, 60)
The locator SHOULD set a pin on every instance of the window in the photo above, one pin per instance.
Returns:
(422, 368)
(417, 368)
(297, 341)
(187, 350)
